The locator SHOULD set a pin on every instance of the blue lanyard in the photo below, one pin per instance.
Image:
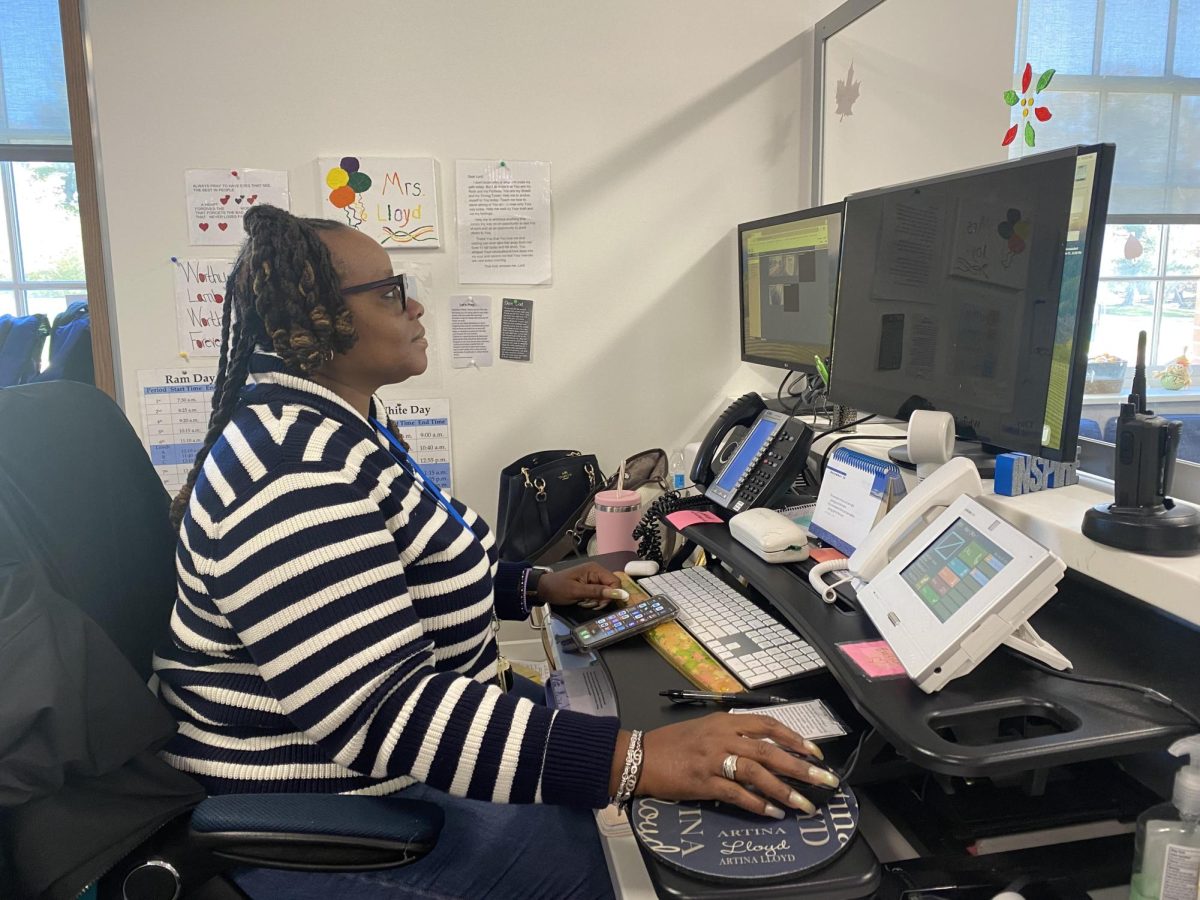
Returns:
(410, 465)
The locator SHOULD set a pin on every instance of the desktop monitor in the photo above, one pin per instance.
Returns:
(788, 267)
(973, 293)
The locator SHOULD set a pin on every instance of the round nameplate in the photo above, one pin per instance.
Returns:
(718, 842)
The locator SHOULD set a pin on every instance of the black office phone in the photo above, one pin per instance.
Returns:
(768, 458)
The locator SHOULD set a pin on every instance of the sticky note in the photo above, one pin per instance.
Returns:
(874, 659)
(685, 517)
(825, 554)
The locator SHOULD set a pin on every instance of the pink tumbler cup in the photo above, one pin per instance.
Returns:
(617, 514)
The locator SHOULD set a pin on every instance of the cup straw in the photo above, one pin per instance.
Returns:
(621, 477)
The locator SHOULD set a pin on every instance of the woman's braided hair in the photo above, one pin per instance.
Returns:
(283, 294)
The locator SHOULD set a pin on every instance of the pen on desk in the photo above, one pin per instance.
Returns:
(745, 699)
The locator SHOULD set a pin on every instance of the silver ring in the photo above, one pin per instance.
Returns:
(729, 767)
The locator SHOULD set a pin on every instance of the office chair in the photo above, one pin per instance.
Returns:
(86, 587)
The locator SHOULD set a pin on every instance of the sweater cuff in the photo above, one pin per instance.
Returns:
(578, 761)
(507, 591)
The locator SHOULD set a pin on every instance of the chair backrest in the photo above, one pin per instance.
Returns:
(6, 323)
(21, 352)
(76, 309)
(79, 494)
(70, 352)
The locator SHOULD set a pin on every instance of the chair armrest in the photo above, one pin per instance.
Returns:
(303, 832)
(315, 831)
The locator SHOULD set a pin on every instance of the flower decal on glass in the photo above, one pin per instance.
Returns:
(1028, 104)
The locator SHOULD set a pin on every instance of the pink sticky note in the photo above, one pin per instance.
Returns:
(874, 658)
(685, 517)
(825, 554)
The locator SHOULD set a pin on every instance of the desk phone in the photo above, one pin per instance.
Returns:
(751, 455)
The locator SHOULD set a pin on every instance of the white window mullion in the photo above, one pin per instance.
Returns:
(14, 236)
(1098, 44)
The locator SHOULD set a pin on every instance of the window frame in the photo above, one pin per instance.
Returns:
(19, 283)
(82, 152)
(1097, 457)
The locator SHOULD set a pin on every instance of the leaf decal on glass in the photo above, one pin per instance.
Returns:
(1029, 141)
(1012, 98)
(1026, 77)
(1009, 136)
(1044, 81)
(1042, 113)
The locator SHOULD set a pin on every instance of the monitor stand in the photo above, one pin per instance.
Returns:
(982, 455)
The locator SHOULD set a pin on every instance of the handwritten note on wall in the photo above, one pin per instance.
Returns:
(218, 198)
(200, 304)
(395, 201)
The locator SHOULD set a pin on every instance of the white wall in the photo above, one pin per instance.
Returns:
(666, 124)
(931, 74)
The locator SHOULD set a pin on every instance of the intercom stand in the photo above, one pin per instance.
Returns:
(1029, 642)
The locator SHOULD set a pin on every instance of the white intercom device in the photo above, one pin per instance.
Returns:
(942, 620)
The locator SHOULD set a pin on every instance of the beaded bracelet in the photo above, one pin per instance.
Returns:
(631, 773)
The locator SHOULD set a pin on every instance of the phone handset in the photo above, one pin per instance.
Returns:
(740, 414)
(957, 477)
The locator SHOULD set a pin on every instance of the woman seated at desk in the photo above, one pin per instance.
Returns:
(334, 624)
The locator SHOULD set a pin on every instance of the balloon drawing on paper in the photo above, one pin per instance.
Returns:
(393, 200)
(347, 183)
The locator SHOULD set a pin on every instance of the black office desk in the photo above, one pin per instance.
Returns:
(966, 729)
(1103, 633)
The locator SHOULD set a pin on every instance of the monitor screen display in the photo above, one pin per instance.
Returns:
(973, 293)
(789, 269)
(755, 441)
(953, 568)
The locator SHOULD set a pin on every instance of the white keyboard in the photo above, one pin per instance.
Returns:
(748, 641)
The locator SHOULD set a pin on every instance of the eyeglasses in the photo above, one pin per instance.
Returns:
(396, 281)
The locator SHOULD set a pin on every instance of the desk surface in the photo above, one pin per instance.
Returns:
(1006, 716)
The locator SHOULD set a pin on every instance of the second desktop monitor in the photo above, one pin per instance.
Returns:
(789, 268)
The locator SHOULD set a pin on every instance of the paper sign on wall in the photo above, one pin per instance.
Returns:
(395, 201)
(200, 304)
(218, 198)
(516, 329)
(425, 425)
(176, 405)
(503, 221)
(470, 330)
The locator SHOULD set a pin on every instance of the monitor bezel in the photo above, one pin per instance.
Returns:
(827, 209)
(1092, 251)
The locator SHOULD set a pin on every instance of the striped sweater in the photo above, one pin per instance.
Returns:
(333, 627)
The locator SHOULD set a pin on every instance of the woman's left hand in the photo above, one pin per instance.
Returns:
(588, 584)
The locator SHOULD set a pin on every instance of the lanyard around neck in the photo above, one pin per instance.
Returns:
(409, 464)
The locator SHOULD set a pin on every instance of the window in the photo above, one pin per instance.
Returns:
(41, 250)
(1128, 72)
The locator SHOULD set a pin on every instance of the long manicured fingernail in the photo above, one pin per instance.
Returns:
(615, 594)
(824, 776)
(813, 750)
(774, 811)
(799, 801)
(588, 604)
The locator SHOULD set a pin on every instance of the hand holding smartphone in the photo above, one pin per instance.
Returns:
(623, 623)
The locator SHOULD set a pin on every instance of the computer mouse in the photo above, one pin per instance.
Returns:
(816, 794)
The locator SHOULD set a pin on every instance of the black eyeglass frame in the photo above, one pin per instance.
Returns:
(392, 281)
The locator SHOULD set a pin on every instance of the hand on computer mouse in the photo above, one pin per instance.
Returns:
(728, 758)
(822, 784)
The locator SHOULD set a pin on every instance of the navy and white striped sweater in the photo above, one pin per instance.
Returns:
(332, 630)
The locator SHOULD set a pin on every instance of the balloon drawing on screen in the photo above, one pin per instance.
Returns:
(347, 183)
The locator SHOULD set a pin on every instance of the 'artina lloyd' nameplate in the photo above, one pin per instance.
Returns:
(723, 843)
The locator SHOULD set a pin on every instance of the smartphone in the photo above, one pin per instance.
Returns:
(623, 623)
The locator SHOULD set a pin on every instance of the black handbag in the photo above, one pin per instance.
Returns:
(542, 497)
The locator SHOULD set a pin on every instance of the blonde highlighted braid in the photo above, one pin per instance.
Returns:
(284, 295)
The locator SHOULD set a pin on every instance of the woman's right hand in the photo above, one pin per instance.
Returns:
(684, 761)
